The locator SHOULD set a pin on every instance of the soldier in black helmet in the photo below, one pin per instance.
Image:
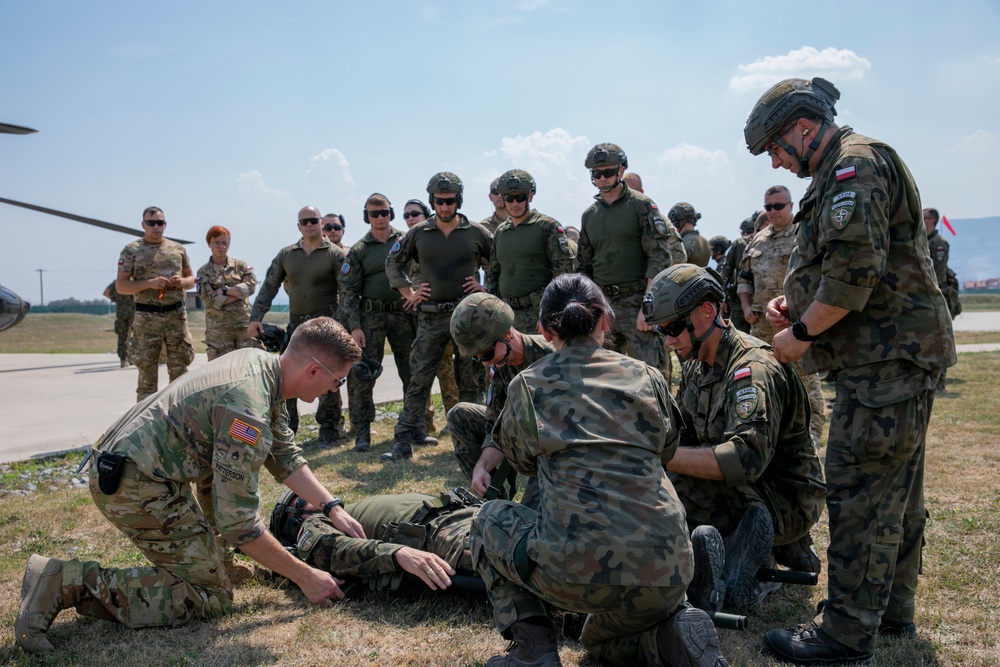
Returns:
(684, 218)
(720, 246)
(728, 271)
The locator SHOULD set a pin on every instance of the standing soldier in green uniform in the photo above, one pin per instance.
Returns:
(624, 242)
(684, 218)
(373, 312)
(595, 427)
(746, 467)
(947, 281)
(124, 314)
(156, 271)
(484, 329)
(449, 250)
(529, 249)
(225, 285)
(222, 421)
(860, 302)
(310, 270)
(729, 271)
(760, 278)
(499, 210)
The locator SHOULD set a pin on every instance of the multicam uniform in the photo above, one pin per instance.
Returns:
(445, 262)
(371, 305)
(728, 271)
(610, 538)
(124, 314)
(160, 317)
(862, 246)
(525, 258)
(491, 223)
(622, 246)
(223, 421)
(698, 250)
(226, 323)
(472, 425)
(761, 275)
(753, 412)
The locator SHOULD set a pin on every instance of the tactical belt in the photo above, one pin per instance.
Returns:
(380, 306)
(624, 289)
(437, 306)
(147, 308)
(412, 533)
(518, 302)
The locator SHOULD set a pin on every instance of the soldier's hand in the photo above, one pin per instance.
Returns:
(359, 337)
(750, 316)
(345, 523)
(174, 281)
(159, 282)
(255, 329)
(787, 347)
(431, 568)
(321, 586)
(640, 322)
(472, 284)
(482, 473)
(777, 313)
(418, 296)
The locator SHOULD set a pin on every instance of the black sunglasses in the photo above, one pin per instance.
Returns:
(411, 214)
(155, 223)
(329, 227)
(603, 173)
(309, 221)
(494, 192)
(438, 201)
(776, 207)
(381, 213)
(673, 329)
(515, 198)
(488, 355)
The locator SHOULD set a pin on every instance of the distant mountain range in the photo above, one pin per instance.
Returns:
(975, 251)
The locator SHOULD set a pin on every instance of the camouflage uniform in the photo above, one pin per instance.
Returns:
(445, 262)
(369, 304)
(862, 246)
(761, 275)
(525, 258)
(698, 252)
(446, 367)
(124, 314)
(223, 421)
(226, 323)
(491, 223)
(312, 285)
(611, 540)
(728, 271)
(471, 424)
(622, 246)
(938, 248)
(160, 317)
(753, 412)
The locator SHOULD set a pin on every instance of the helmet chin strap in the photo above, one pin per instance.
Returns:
(607, 188)
(803, 171)
(697, 341)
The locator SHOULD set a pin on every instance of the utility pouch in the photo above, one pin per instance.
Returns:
(110, 467)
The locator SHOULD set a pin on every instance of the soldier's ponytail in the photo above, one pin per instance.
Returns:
(572, 305)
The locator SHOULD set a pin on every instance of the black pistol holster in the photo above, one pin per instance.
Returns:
(110, 467)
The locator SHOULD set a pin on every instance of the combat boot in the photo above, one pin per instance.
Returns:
(401, 448)
(363, 437)
(421, 439)
(808, 644)
(748, 549)
(707, 589)
(42, 597)
(798, 555)
(689, 639)
(534, 645)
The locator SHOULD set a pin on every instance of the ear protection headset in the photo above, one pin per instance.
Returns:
(392, 213)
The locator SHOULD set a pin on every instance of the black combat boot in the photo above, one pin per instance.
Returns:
(363, 437)
(689, 639)
(809, 645)
(707, 589)
(401, 448)
(421, 439)
(748, 549)
(534, 645)
(798, 555)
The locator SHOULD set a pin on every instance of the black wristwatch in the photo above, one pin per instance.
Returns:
(800, 332)
(327, 506)
(225, 288)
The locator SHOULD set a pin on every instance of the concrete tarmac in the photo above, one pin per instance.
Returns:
(52, 403)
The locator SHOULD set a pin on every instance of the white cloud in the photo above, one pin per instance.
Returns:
(695, 156)
(807, 62)
(251, 185)
(555, 148)
(330, 164)
(979, 141)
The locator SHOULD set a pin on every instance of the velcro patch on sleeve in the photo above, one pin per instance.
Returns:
(245, 432)
(741, 373)
(846, 173)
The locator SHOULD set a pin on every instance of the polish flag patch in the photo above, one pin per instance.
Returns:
(846, 173)
(741, 373)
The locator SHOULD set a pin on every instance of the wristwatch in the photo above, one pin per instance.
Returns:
(225, 288)
(800, 332)
(329, 505)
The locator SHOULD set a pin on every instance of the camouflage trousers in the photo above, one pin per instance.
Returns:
(446, 382)
(152, 331)
(467, 423)
(378, 327)
(122, 327)
(187, 579)
(624, 337)
(875, 498)
(433, 336)
(220, 339)
(330, 411)
(622, 620)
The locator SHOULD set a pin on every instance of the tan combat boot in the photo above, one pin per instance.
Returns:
(42, 597)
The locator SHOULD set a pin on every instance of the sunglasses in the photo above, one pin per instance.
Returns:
(438, 201)
(515, 198)
(603, 173)
(412, 214)
(340, 380)
(488, 355)
(381, 213)
(155, 223)
(330, 227)
(673, 329)
(494, 192)
(776, 207)
(309, 221)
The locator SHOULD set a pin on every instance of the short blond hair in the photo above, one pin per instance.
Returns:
(325, 338)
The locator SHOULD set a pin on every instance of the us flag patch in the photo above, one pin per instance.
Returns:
(245, 432)
(741, 373)
(846, 173)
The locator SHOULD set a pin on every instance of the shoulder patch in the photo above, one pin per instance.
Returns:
(563, 245)
(120, 262)
(560, 229)
(746, 401)
(245, 432)
(653, 206)
(345, 269)
(741, 373)
(197, 280)
(846, 173)
(842, 211)
(661, 226)
(395, 246)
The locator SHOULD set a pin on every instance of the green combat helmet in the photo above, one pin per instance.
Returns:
(479, 320)
(719, 244)
(603, 155)
(445, 182)
(750, 224)
(682, 211)
(675, 292)
(515, 182)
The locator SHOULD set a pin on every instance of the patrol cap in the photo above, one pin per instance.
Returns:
(683, 211)
(606, 154)
(516, 181)
(786, 101)
(444, 181)
(719, 243)
(677, 290)
(479, 320)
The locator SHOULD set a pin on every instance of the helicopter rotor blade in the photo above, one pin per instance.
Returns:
(89, 221)
(7, 128)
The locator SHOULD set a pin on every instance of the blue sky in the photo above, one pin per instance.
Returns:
(239, 113)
